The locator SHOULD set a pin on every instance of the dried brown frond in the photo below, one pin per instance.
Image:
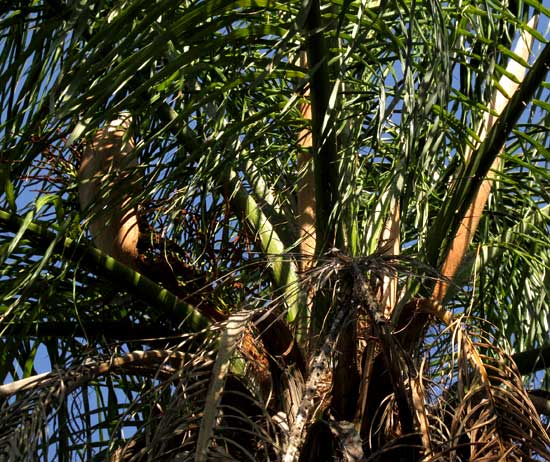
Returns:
(166, 416)
(485, 411)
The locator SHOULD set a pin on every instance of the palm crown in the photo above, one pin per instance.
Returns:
(252, 230)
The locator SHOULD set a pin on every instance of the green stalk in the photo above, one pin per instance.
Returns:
(283, 270)
(324, 149)
(324, 138)
(106, 266)
(284, 273)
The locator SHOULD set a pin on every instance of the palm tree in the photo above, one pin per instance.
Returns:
(258, 230)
